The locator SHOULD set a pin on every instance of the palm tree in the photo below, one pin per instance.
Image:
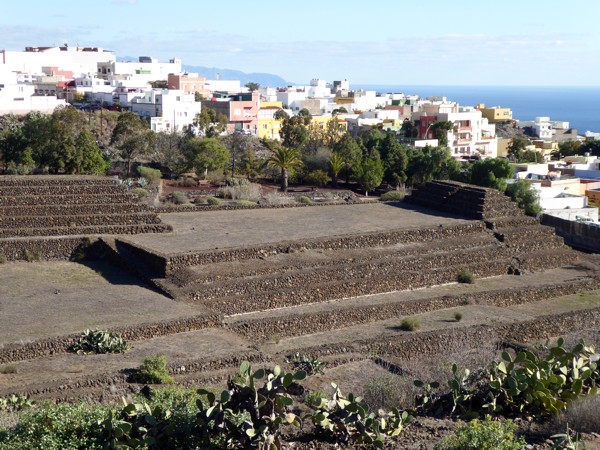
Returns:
(285, 158)
(336, 164)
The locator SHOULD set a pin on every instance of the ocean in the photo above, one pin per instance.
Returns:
(580, 106)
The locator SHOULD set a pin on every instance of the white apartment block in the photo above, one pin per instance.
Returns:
(167, 110)
(16, 98)
(471, 135)
(146, 69)
(79, 60)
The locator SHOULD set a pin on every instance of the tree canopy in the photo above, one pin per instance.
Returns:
(209, 123)
(132, 138)
(491, 172)
(205, 154)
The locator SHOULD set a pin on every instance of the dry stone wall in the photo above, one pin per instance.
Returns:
(440, 342)
(56, 345)
(309, 323)
(379, 239)
(42, 206)
(46, 249)
(372, 283)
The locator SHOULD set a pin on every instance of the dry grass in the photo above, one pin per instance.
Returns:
(582, 415)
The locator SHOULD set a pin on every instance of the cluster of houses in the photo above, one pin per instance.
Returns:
(43, 78)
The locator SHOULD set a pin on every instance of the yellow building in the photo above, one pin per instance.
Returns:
(495, 114)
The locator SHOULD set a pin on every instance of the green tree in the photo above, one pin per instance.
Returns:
(369, 173)
(252, 86)
(567, 148)
(525, 196)
(440, 131)
(237, 143)
(168, 150)
(372, 139)
(429, 163)
(304, 113)
(395, 159)
(591, 146)
(349, 151)
(280, 114)
(409, 129)
(491, 172)
(285, 159)
(340, 110)
(294, 132)
(209, 123)
(87, 157)
(336, 164)
(132, 138)
(12, 141)
(205, 154)
(517, 147)
(198, 97)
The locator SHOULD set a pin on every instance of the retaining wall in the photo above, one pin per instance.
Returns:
(55, 345)
(302, 324)
(439, 342)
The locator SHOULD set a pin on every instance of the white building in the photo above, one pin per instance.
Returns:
(167, 110)
(79, 60)
(471, 135)
(146, 69)
(18, 98)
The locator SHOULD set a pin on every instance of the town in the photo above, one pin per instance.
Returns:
(196, 263)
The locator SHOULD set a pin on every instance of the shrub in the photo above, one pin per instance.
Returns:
(313, 398)
(154, 370)
(30, 257)
(385, 392)
(318, 177)
(305, 200)
(486, 435)
(245, 203)
(180, 198)
(2, 258)
(308, 364)
(465, 276)
(99, 342)
(241, 191)
(410, 324)
(213, 201)
(152, 175)
(16, 402)
(458, 316)
(60, 426)
(392, 196)
(10, 368)
(186, 182)
(140, 192)
(277, 199)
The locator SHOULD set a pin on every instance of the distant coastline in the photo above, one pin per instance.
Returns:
(580, 106)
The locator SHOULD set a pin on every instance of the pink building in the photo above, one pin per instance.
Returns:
(241, 110)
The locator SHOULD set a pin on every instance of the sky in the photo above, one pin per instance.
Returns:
(378, 42)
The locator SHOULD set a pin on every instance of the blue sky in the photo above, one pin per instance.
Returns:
(400, 42)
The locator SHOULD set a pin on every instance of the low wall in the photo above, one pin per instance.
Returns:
(439, 342)
(52, 346)
(46, 249)
(576, 234)
(373, 283)
(309, 323)
(378, 239)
